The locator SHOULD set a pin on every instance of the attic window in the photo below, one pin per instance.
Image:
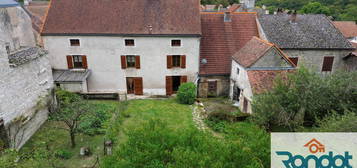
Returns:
(129, 42)
(74, 42)
(175, 43)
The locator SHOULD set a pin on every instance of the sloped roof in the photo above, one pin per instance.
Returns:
(220, 40)
(251, 52)
(308, 32)
(70, 76)
(348, 28)
(123, 17)
(263, 80)
(8, 3)
(25, 55)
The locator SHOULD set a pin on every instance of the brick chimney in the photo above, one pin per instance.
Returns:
(293, 17)
(227, 16)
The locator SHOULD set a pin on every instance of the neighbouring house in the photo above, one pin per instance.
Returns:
(254, 69)
(140, 47)
(223, 34)
(348, 29)
(309, 40)
(25, 78)
(37, 11)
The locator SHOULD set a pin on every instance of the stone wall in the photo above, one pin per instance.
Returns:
(222, 85)
(24, 93)
(313, 59)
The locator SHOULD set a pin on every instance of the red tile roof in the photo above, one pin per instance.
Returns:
(263, 80)
(252, 52)
(123, 17)
(355, 51)
(220, 40)
(348, 28)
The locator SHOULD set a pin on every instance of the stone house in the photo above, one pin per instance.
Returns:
(25, 78)
(309, 40)
(139, 47)
(254, 68)
(223, 34)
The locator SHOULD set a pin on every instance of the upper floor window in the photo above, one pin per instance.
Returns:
(175, 43)
(77, 61)
(129, 42)
(176, 60)
(327, 64)
(74, 42)
(238, 70)
(130, 61)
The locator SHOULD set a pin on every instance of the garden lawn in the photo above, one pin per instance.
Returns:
(57, 139)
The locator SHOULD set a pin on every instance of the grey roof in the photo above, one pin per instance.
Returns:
(8, 3)
(25, 55)
(70, 76)
(308, 32)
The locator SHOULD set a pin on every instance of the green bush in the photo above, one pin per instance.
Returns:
(94, 124)
(156, 145)
(187, 93)
(63, 154)
(338, 123)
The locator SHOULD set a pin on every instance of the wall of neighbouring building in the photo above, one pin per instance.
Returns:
(103, 57)
(241, 81)
(313, 59)
(25, 91)
(16, 28)
(272, 58)
(222, 85)
(350, 63)
(25, 87)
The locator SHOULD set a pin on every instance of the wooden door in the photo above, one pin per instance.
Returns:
(138, 86)
(212, 88)
(169, 89)
(245, 105)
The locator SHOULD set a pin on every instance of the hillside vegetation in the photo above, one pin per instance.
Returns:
(338, 9)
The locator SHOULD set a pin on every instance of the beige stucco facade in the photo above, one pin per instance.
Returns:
(103, 57)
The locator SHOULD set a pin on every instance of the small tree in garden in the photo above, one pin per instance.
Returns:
(71, 108)
(187, 93)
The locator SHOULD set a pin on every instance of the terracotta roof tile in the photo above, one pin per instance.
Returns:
(122, 17)
(263, 80)
(220, 40)
(348, 28)
(251, 52)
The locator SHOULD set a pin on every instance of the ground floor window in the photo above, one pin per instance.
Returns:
(236, 93)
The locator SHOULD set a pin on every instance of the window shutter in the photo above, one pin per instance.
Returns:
(84, 61)
(137, 62)
(169, 85)
(138, 86)
(69, 62)
(183, 61)
(169, 61)
(183, 79)
(327, 64)
(123, 62)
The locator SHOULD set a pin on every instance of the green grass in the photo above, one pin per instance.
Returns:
(51, 133)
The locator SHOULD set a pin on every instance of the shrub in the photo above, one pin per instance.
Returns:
(301, 98)
(63, 154)
(94, 124)
(338, 123)
(187, 93)
(156, 145)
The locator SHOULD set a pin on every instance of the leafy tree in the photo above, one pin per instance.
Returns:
(315, 8)
(304, 97)
(71, 109)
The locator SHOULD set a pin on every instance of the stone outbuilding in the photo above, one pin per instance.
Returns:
(254, 69)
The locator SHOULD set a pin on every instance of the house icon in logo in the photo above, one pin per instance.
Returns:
(315, 146)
